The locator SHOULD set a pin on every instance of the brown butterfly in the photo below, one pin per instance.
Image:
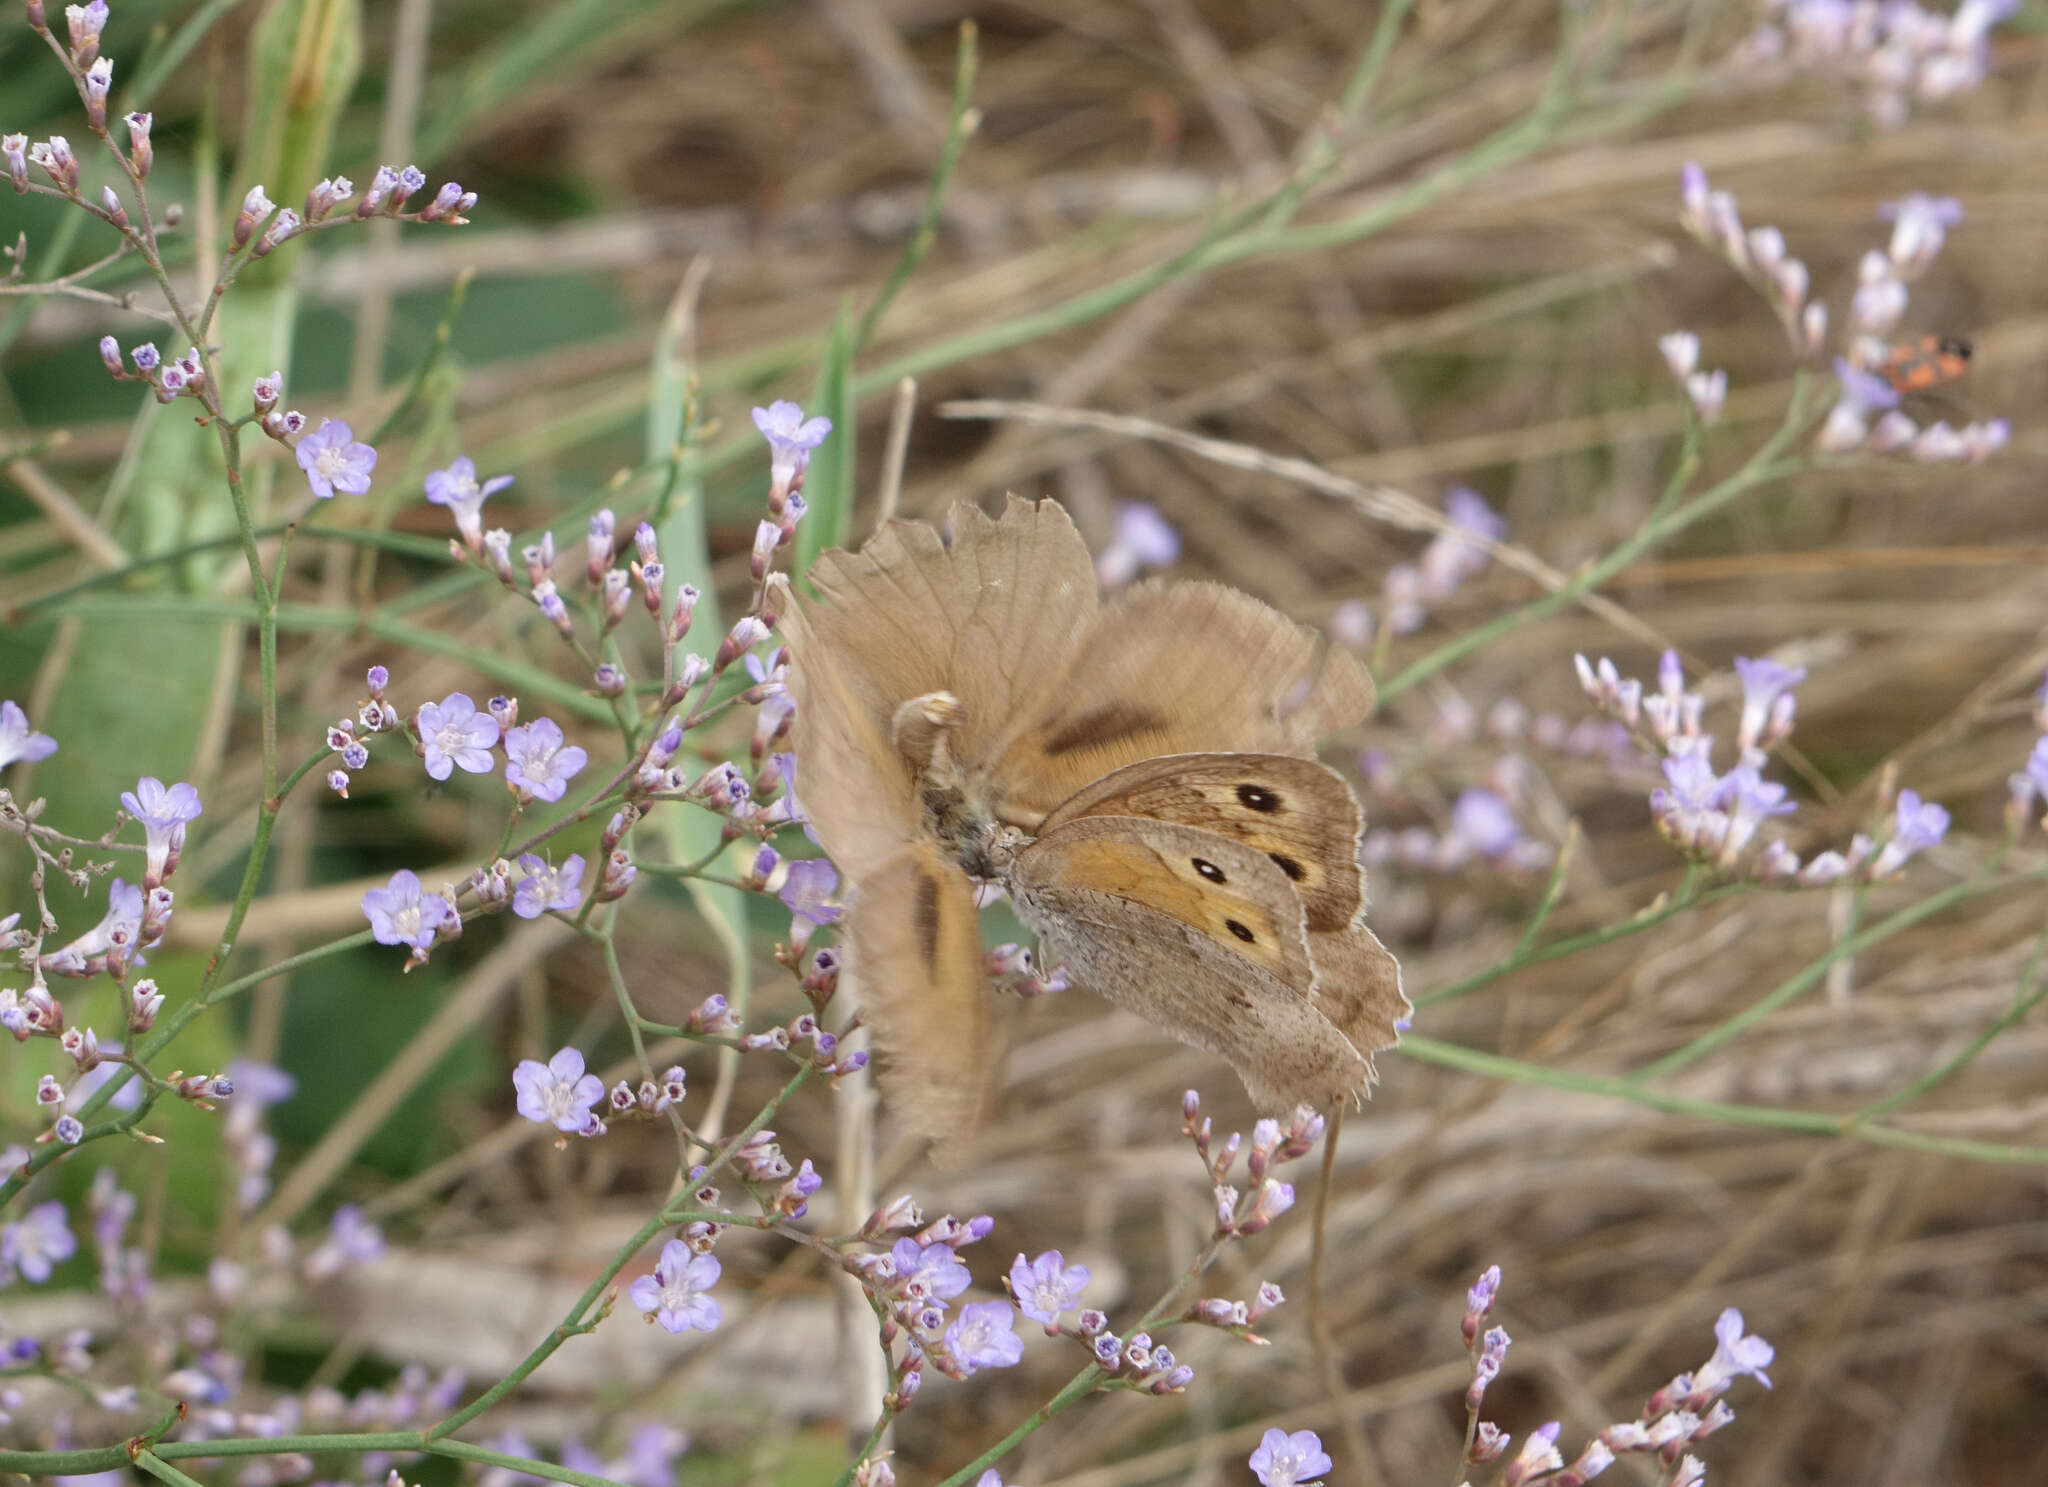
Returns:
(1137, 775)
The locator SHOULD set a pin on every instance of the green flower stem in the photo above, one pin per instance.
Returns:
(113, 1458)
(2026, 996)
(1078, 1388)
(959, 126)
(1496, 1066)
(574, 1324)
(1984, 881)
(1759, 469)
(162, 1470)
(1526, 954)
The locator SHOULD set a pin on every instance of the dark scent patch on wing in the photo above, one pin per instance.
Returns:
(1257, 798)
(1288, 865)
(1112, 723)
(927, 911)
(1240, 929)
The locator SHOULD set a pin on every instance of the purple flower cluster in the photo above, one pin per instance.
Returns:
(914, 1281)
(1452, 558)
(1714, 817)
(1894, 54)
(1683, 1412)
(1758, 254)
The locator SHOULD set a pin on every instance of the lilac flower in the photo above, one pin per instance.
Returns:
(1681, 351)
(1750, 801)
(452, 732)
(1920, 223)
(1143, 540)
(791, 438)
(1453, 557)
(1479, 1301)
(1539, 1455)
(1695, 793)
(456, 488)
(37, 1243)
(1284, 1460)
(808, 890)
(538, 762)
(675, 1294)
(981, 1336)
(18, 741)
(117, 931)
(650, 1457)
(1734, 1355)
(1764, 682)
(401, 914)
(1482, 822)
(163, 814)
(558, 1092)
(351, 1240)
(934, 1264)
(1918, 826)
(989, 1478)
(334, 461)
(548, 887)
(1047, 1286)
(1863, 393)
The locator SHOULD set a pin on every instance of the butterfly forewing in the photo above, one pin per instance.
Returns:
(1299, 813)
(994, 618)
(1186, 669)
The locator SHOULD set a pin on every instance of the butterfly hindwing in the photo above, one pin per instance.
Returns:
(1120, 922)
(1298, 812)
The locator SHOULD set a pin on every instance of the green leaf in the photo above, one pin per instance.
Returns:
(690, 834)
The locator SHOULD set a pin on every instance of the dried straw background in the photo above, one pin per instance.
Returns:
(1505, 338)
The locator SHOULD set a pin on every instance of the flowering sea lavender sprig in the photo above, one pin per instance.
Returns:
(1451, 559)
(1760, 256)
(1714, 817)
(1682, 1413)
(1893, 55)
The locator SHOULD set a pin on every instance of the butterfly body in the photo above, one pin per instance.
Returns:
(1136, 776)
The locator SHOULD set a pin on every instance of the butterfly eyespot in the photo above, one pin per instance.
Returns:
(1288, 865)
(1257, 798)
(1207, 869)
(1241, 930)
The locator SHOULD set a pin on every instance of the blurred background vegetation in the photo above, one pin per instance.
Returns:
(1470, 293)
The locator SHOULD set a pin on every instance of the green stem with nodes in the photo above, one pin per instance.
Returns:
(2033, 986)
(162, 1470)
(1527, 953)
(113, 1458)
(1982, 882)
(575, 1324)
(1497, 1066)
(1761, 468)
